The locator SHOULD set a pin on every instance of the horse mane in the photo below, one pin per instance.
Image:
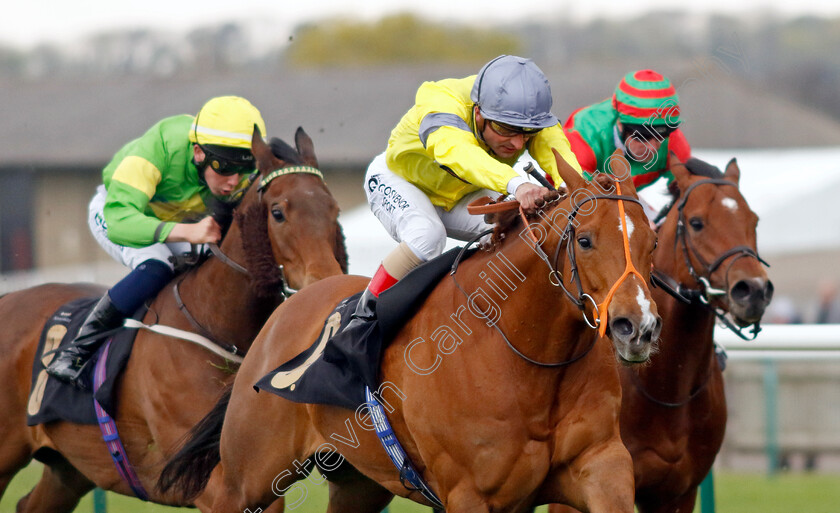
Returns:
(341, 249)
(266, 278)
(696, 167)
(509, 220)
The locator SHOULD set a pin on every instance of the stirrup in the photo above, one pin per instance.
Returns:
(75, 372)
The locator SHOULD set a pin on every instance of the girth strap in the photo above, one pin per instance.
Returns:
(109, 431)
(409, 477)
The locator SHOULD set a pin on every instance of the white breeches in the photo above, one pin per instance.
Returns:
(410, 217)
(130, 257)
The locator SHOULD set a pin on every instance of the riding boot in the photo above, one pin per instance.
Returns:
(366, 307)
(121, 301)
(392, 269)
(69, 362)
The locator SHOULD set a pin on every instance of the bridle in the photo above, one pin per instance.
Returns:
(702, 294)
(555, 277)
(285, 290)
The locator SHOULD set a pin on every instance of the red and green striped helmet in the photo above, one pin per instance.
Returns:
(646, 97)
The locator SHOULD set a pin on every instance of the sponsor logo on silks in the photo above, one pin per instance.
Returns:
(391, 199)
(100, 221)
(372, 183)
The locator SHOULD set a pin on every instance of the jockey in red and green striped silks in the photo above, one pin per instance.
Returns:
(641, 118)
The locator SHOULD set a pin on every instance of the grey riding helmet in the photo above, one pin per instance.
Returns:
(514, 91)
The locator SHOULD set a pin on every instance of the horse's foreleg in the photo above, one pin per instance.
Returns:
(561, 508)
(600, 480)
(245, 491)
(685, 502)
(59, 490)
(359, 494)
(11, 462)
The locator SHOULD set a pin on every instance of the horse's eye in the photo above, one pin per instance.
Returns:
(278, 214)
(696, 223)
(584, 242)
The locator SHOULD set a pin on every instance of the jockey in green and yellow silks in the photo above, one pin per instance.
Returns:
(157, 195)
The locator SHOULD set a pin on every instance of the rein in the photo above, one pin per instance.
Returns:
(230, 348)
(639, 386)
(218, 253)
(555, 277)
(701, 295)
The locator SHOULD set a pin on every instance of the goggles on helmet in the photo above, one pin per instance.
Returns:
(506, 130)
(646, 132)
(228, 161)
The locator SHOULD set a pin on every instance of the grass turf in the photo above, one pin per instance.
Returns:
(735, 493)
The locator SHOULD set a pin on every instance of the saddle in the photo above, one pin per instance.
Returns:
(51, 399)
(338, 366)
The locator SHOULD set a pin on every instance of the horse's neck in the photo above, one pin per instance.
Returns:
(686, 343)
(536, 316)
(222, 300)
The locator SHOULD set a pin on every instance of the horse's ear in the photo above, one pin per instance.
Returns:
(305, 147)
(733, 173)
(570, 176)
(678, 169)
(261, 151)
(620, 170)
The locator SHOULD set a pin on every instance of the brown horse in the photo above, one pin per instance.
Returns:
(673, 413)
(495, 387)
(169, 384)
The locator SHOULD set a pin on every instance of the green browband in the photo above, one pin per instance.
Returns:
(288, 171)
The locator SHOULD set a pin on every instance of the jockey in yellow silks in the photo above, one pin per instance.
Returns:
(457, 143)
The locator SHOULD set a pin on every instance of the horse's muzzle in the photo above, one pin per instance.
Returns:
(748, 298)
(633, 341)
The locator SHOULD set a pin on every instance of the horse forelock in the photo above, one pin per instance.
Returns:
(699, 167)
(283, 150)
(606, 182)
(696, 167)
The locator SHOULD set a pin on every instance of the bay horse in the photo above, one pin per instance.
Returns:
(673, 413)
(495, 386)
(290, 220)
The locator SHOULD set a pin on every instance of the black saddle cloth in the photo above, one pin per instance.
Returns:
(51, 399)
(336, 368)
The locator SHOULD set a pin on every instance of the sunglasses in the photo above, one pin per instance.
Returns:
(647, 132)
(225, 167)
(506, 130)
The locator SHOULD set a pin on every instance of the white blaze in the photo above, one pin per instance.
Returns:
(730, 203)
(648, 319)
(629, 227)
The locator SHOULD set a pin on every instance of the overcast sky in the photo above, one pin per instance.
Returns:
(25, 23)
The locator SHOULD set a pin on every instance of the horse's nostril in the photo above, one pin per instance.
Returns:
(741, 291)
(768, 291)
(622, 326)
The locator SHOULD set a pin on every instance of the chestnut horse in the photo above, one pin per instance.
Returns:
(495, 387)
(673, 413)
(169, 384)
